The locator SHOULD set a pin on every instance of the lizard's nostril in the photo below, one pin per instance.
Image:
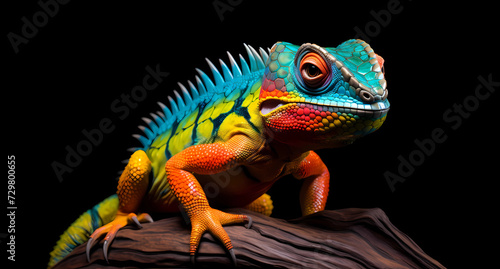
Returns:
(366, 96)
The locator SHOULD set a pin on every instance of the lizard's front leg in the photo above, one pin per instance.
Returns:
(132, 187)
(206, 159)
(314, 191)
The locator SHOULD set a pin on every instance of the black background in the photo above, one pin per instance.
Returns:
(66, 77)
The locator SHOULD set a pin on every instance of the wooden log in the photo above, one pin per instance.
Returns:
(347, 238)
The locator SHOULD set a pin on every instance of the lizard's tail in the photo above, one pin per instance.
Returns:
(80, 230)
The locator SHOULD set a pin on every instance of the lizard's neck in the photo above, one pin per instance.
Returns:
(273, 160)
(286, 152)
(274, 152)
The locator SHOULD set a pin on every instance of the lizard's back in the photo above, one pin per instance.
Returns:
(206, 113)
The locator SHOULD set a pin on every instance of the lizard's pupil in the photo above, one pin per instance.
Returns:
(313, 70)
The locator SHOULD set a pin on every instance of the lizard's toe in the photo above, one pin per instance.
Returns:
(249, 223)
(233, 257)
(90, 244)
(212, 220)
(95, 236)
(111, 229)
(142, 218)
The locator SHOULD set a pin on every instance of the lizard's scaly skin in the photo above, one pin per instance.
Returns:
(314, 192)
(263, 205)
(134, 181)
(205, 159)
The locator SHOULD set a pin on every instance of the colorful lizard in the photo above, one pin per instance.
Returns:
(237, 135)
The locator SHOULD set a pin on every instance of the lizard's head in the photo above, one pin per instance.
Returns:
(325, 96)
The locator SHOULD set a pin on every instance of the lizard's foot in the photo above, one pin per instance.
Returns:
(263, 205)
(110, 229)
(212, 220)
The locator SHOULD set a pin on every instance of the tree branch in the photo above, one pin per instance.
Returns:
(347, 238)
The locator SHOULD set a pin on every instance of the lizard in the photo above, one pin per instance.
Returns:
(224, 141)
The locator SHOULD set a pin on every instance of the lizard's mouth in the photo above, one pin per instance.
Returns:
(272, 106)
(323, 117)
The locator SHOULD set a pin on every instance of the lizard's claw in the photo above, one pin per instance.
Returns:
(112, 228)
(212, 220)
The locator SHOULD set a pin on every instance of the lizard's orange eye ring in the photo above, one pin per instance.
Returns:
(314, 70)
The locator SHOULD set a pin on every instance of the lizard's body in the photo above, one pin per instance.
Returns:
(215, 118)
(226, 142)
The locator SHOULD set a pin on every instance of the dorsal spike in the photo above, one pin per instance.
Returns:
(185, 94)
(201, 87)
(158, 119)
(173, 106)
(244, 66)
(194, 91)
(219, 80)
(225, 70)
(251, 58)
(234, 66)
(144, 141)
(146, 120)
(151, 124)
(264, 55)
(206, 80)
(259, 64)
(132, 149)
(180, 102)
(167, 113)
(149, 133)
(159, 113)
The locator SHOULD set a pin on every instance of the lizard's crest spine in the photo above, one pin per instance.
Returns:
(182, 105)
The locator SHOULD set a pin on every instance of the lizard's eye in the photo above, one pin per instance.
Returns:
(314, 70)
